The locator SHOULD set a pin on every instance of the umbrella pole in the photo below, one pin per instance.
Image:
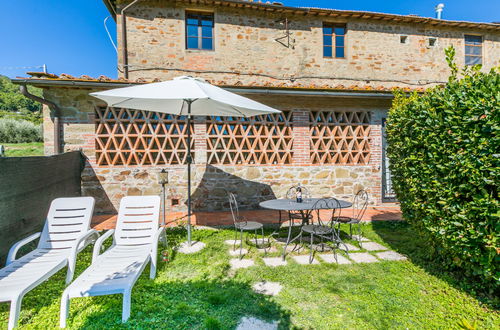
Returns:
(189, 160)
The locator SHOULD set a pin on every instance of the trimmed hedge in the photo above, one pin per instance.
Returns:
(19, 131)
(444, 151)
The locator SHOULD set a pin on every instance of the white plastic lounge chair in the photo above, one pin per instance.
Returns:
(135, 243)
(66, 232)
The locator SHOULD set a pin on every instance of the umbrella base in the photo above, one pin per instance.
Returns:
(195, 247)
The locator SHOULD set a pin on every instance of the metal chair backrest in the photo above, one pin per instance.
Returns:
(67, 219)
(292, 192)
(359, 204)
(138, 220)
(233, 205)
(327, 204)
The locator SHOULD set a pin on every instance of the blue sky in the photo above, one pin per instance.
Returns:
(69, 36)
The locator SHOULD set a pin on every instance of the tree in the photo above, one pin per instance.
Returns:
(12, 100)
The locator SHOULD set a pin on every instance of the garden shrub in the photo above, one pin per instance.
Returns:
(19, 131)
(444, 153)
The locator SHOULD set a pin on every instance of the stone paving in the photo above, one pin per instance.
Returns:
(350, 247)
(274, 262)
(390, 255)
(236, 253)
(361, 257)
(243, 263)
(233, 242)
(360, 238)
(330, 258)
(304, 260)
(372, 246)
(365, 254)
(267, 288)
(252, 323)
(272, 249)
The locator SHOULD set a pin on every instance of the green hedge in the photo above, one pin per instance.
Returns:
(444, 150)
(19, 131)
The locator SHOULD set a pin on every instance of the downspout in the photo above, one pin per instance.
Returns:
(124, 37)
(57, 114)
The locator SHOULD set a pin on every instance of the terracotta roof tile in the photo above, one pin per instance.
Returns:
(295, 84)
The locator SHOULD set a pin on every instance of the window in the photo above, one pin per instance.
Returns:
(403, 39)
(473, 50)
(431, 42)
(200, 31)
(334, 40)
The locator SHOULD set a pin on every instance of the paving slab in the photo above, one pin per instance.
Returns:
(236, 252)
(390, 255)
(267, 288)
(294, 248)
(272, 249)
(274, 262)
(243, 263)
(189, 249)
(232, 242)
(304, 260)
(362, 257)
(372, 246)
(330, 258)
(360, 238)
(252, 323)
(349, 246)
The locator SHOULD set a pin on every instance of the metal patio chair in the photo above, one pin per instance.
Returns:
(324, 229)
(359, 206)
(241, 224)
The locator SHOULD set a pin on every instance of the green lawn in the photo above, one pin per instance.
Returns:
(23, 149)
(201, 291)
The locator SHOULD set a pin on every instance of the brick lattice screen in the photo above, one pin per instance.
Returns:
(340, 137)
(132, 137)
(266, 140)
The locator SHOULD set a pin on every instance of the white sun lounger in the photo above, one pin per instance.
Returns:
(135, 243)
(66, 232)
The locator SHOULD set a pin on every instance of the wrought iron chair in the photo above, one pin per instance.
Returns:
(359, 206)
(241, 224)
(323, 229)
(303, 216)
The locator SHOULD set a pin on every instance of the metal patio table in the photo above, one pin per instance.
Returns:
(305, 208)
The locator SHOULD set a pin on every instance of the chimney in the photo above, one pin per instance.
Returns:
(439, 10)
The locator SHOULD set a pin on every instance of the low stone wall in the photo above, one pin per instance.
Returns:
(252, 184)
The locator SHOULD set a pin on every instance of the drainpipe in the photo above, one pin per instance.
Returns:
(57, 114)
(124, 37)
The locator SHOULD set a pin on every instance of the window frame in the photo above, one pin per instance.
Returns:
(199, 16)
(480, 46)
(333, 36)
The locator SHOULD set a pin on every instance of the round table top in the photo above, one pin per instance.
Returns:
(284, 204)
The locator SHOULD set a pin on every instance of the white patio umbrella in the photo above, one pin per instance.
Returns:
(186, 96)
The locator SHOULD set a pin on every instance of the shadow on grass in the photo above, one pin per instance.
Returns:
(200, 304)
(401, 237)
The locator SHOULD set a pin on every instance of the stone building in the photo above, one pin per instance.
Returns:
(331, 72)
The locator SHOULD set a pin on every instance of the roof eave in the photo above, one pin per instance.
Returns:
(110, 8)
(236, 89)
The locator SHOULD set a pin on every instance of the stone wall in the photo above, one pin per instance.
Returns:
(246, 52)
(252, 183)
